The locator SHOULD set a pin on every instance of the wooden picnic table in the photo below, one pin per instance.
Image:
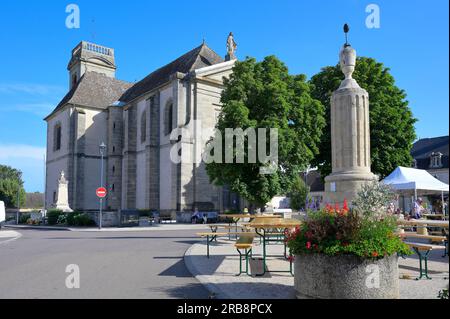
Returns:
(422, 224)
(434, 216)
(264, 228)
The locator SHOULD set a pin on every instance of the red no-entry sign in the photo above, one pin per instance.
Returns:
(101, 192)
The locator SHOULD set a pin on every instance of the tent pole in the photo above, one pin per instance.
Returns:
(442, 201)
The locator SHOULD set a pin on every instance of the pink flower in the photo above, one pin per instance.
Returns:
(308, 245)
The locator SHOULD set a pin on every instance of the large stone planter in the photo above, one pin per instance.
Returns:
(346, 277)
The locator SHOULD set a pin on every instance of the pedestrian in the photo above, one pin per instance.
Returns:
(418, 208)
(195, 216)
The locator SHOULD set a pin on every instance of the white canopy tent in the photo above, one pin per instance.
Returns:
(417, 181)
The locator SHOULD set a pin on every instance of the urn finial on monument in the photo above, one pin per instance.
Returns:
(347, 61)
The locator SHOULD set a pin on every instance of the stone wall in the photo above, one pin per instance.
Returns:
(114, 167)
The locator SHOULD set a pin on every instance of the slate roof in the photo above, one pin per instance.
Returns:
(97, 90)
(201, 56)
(423, 148)
(94, 90)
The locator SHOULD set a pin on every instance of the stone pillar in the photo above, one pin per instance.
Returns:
(350, 135)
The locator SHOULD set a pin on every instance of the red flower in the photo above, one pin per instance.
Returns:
(345, 207)
(374, 254)
(308, 245)
(291, 258)
(336, 207)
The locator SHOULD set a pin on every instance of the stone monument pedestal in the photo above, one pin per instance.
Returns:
(340, 187)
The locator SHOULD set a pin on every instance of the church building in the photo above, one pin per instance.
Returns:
(135, 121)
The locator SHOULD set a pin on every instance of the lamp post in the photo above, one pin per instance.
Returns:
(102, 148)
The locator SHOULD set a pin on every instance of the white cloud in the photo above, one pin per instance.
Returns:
(32, 89)
(15, 151)
(40, 109)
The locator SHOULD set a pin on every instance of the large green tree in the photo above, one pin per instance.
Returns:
(391, 120)
(264, 95)
(11, 185)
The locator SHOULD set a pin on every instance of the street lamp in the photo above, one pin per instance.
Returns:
(102, 148)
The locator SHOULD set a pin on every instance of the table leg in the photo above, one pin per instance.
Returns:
(423, 258)
(262, 235)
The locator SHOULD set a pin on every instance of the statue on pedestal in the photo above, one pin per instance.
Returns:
(62, 195)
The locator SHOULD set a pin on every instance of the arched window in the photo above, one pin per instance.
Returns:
(74, 80)
(168, 118)
(57, 137)
(143, 126)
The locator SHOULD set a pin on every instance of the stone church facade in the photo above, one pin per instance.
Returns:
(135, 121)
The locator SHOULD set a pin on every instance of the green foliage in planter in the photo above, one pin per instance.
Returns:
(343, 232)
(79, 219)
(84, 220)
(23, 218)
(53, 215)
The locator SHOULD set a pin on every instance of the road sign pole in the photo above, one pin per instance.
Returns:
(101, 199)
(100, 215)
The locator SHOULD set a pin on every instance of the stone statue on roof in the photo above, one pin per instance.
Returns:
(231, 48)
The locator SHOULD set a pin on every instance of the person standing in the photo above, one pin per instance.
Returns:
(418, 208)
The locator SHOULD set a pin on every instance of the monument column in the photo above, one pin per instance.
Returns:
(350, 135)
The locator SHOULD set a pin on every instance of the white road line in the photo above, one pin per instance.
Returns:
(11, 235)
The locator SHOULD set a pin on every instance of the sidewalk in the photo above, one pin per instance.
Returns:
(218, 274)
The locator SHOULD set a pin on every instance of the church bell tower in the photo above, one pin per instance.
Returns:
(88, 57)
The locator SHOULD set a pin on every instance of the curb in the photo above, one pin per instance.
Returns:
(212, 288)
(36, 227)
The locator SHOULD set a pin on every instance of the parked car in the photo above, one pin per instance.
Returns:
(2, 213)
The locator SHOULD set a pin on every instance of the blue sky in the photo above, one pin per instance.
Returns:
(35, 48)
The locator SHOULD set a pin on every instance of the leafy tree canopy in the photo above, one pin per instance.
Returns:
(11, 184)
(264, 95)
(391, 120)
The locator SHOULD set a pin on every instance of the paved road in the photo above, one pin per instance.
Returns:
(112, 265)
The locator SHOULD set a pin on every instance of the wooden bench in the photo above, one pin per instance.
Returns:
(422, 250)
(212, 236)
(214, 228)
(432, 238)
(245, 242)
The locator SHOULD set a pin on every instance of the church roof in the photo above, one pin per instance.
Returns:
(94, 90)
(201, 56)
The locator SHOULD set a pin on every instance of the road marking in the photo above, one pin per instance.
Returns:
(10, 234)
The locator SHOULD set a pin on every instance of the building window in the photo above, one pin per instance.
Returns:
(114, 149)
(57, 137)
(112, 187)
(54, 197)
(113, 169)
(168, 118)
(143, 126)
(74, 80)
(114, 126)
(436, 160)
